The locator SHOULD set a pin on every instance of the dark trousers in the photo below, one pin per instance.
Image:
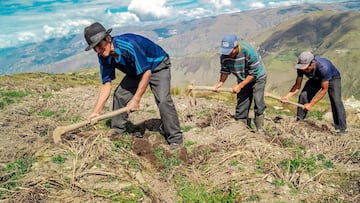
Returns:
(312, 87)
(160, 87)
(254, 90)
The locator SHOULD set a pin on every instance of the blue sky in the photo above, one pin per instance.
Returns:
(25, 21)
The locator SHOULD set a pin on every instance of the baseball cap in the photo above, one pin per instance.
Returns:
(94, 33)
(228, 42)
(304, 60)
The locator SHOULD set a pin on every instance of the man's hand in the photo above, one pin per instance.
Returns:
(133, 105)
(307, 106)
(236, 89)
(284, 99)
(91, 119)
(218, 85)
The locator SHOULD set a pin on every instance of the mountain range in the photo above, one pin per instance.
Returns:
(330, 30)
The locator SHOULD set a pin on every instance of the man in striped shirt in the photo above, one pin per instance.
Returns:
(144, 63)
(243, 61)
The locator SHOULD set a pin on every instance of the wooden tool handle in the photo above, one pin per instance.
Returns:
(63, 129)
(279, 98)
(209, 88)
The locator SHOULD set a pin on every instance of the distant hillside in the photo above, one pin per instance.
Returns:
(328, 34)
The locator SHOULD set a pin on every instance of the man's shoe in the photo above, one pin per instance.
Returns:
(138, 134)
(341, 131)
(161, 130)
(174, 146)
(115, 132)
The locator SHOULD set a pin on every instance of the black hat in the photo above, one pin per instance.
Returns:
(94, 33)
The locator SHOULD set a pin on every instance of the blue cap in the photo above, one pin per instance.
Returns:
(228, 42)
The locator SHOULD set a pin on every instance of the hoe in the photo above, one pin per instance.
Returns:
(59, 131)
(192, 89)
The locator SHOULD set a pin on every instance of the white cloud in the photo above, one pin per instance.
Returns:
(64, 28)
(29, 23)
(257, 5)
(193, 12)
(221, 3)
(26, 36)
(285, 3)
(122, 19)
(149, 10)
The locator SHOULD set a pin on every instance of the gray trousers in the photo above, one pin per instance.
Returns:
(254, 90)
(312, 87)
(160, 87)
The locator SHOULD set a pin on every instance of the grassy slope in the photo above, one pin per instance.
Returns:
(328, 34)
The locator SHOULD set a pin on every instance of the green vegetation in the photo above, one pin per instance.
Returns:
(316, 114)
(299, 164)
(46, 113)
(189, 143)
(11, 97)
(186, 128)
(19, 167)
(193, 192)
(253, 198)
(59, 159)
(125, 141)
(153, 111)
(269, 130)
(47, 95)
(260, 165)
(306, 164)
(167, 161)
(14, 171)
(130, 194)
(234, 162)
(231, 98)
(134, 164)
(278, 182)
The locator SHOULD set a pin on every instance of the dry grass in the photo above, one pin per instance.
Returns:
(222, 159)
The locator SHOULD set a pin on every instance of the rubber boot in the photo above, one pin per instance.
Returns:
(259, 123)
(246, 121)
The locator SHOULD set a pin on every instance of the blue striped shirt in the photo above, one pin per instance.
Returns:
(136, 55)
(247, 62)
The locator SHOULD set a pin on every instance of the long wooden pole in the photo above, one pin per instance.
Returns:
(60, 130)
(288, 102)
(191, 89)
(208, 88)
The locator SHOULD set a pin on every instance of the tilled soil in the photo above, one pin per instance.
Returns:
(221, 159)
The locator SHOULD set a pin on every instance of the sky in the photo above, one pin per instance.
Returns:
(26, 21)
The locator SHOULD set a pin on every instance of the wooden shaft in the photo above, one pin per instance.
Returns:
(63, 129)
(191, 88)
(209, 88)
(279, 98)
